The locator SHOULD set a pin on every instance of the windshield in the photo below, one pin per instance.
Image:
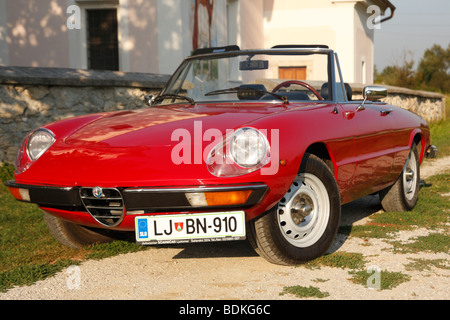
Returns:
(250, 76)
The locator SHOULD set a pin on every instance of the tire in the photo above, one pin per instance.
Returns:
(304, 223)
(77, 236)
(404, 193)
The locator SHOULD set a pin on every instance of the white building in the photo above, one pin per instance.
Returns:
(155, 35)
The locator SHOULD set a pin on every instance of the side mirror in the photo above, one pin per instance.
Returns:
(148, 99)
(372, 93)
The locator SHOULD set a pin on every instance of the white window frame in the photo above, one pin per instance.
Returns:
(78, 38)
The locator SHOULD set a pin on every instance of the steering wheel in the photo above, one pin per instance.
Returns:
(286, 84)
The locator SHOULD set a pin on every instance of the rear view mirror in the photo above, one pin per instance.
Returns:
(254, 65)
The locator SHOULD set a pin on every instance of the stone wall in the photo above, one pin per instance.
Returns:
(32, 97)
(428, 105)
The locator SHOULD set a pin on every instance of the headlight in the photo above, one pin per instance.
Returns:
(245, 151)
(248, 147)
(39, 142)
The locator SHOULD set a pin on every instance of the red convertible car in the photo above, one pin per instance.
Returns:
(234, 147)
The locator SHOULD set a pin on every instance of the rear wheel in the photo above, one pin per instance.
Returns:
(303, 225)
(404, 193)
(77, 236)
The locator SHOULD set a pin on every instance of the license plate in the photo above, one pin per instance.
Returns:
(204, 227)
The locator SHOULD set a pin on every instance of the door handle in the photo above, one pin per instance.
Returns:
(386, 112)
(349, 114)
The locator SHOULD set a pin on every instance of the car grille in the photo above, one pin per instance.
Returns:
(106, 206)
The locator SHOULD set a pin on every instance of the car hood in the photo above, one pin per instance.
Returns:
(155, 126)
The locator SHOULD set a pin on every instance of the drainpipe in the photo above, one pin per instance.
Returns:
(390, 6)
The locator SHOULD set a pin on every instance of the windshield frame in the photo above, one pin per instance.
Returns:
(332, 61)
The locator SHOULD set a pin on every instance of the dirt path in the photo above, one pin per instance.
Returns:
(233, 271)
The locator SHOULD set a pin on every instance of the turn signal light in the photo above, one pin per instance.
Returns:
(20, 194)
(227, 198)
(223, 198)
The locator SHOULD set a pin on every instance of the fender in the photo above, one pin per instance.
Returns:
(412, 138)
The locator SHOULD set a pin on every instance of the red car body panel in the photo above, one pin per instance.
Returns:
(367, 149)
(94, 149)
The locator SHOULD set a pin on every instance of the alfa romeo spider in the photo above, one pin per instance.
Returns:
(261, 144)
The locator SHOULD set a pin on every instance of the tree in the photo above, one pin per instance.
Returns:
(433, 72)
(401, 74)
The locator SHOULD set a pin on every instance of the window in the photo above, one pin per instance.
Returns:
(102, 39)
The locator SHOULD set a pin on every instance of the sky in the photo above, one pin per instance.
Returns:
(415, 27)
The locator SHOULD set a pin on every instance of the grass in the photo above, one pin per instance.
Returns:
(29, 253)
(304, 292)
(434, 242)
(440, 136)
(431, 212)
(387, 280)
(440, 131)
(28, 274)
(342, 260)
(427, 264)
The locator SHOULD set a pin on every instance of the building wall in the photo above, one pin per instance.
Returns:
(251, 24)
(364, 48)
(339, 24)
(155, 35)
(141, 44)
(36, 33)
(4, 46)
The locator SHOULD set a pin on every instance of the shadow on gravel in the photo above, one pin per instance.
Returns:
(359, 209)
(352, 213)
(216, 250)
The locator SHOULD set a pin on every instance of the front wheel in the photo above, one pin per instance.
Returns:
(303, 225)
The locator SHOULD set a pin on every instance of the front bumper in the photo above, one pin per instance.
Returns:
(109, 207)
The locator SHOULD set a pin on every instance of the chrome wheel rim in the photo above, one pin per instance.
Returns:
(410, 177)
(304, 211)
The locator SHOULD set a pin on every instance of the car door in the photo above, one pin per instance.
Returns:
(374, 145)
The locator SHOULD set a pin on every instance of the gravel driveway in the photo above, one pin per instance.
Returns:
(232, 270)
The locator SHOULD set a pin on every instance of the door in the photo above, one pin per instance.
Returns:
(374, 146)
